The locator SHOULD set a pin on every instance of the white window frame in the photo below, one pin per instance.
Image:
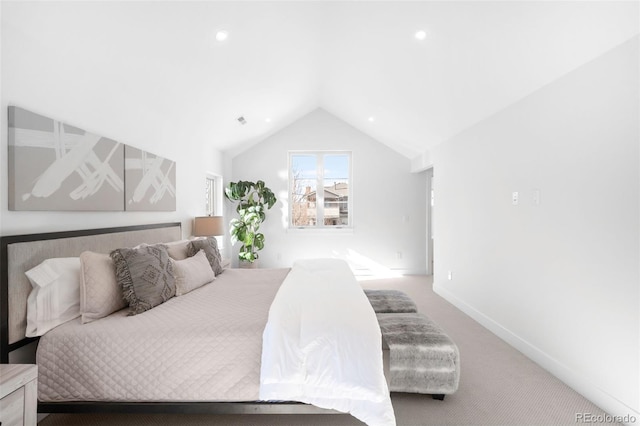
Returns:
(213, 197)
(320, 194)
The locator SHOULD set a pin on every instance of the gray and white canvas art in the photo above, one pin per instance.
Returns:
(55, 166)
(150, 181)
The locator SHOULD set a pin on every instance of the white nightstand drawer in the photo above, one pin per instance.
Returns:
(18, 394)
(12, 409)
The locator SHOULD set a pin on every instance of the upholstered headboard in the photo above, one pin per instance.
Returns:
(19, 253)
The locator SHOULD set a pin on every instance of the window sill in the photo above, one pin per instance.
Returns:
(320, 231)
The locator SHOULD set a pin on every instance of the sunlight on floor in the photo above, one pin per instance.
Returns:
(365, 268)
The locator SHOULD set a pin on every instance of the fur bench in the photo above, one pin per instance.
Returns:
(422, 358)
(390, 301)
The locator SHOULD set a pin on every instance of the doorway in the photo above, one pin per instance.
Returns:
(429, 227)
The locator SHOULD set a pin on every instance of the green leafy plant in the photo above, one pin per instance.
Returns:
(253, 200)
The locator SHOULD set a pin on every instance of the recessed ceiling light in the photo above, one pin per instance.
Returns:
(371, 119)
(267, 120)
(222, 35)
(420, 35)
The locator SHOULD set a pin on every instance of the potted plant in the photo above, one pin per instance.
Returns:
(253, 200)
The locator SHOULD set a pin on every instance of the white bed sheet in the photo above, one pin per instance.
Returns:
(322, 344)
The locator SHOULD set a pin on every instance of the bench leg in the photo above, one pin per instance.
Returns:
(438, 396)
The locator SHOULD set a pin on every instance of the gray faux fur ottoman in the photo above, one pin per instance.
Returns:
(422, 358)
(390, 301)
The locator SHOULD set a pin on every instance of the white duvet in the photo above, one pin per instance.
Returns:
(322, 344)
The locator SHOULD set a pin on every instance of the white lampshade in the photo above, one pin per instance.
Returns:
(208, 226)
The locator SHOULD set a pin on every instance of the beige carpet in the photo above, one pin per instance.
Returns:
(498, 385)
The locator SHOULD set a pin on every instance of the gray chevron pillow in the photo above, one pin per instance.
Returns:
(210, 247)
(146, 276)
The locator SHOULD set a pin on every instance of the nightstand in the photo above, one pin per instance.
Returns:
(18, 394)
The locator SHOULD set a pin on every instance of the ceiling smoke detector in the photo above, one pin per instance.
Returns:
(242, 121)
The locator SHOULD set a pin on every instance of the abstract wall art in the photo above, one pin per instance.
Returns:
(150, 181)
(55, 166)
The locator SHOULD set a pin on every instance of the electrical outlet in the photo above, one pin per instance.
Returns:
(536, 197)
(449, 275)
(399, 255)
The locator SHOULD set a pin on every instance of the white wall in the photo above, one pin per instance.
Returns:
(69, 78)
(384, 192)
(559, 280)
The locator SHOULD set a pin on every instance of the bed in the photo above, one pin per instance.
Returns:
(95, 352)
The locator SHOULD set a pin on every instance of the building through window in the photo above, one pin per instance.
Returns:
(320, 189)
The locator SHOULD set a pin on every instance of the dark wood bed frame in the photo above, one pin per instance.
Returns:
(249, 407)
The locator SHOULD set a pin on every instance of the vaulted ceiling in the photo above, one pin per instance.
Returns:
(358, 60)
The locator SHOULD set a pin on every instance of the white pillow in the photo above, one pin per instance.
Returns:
(192, 273)
(55, 297)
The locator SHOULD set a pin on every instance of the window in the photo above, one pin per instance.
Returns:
(213, 195)
(329, 207)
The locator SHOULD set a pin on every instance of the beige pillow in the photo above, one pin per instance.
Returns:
(192, 273)
(100, 294)
(177, 249)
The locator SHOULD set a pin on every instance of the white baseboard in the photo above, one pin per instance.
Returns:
(602, 399)
(386, 273)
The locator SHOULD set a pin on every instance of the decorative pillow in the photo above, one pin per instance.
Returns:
(55, 297)
(210, 247)
(178, 249)
(146, 276)
(192, 273)
(100, 293)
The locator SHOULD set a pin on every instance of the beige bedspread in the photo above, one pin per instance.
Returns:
(203, 346)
